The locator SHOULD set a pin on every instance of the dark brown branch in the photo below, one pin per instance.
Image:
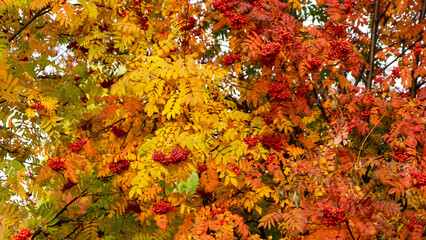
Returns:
(38, 14)
(107, 127)
(71, 233)
(373, 45)
(350, 232)
(127, 133)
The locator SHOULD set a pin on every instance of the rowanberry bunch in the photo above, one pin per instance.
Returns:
(279, 91)
(411, 224)
(68, 185)
(340, 49)
(119, 166)
(349, 4)
(283, 36)
(270, 158)
(133, 207)
(188, 24)
(118, 132)
(23, 234)
(37, 106)
(405, 94)
(223, 6)
(365, 113)
(379, 79)
(216, 211)
(268, 119)
(419, 178)
(234, 169)
(238, 20)
(314, 65)
(400, 155)
(367, 100)
(256, 3)
(270, 53)
(197, 32)
(230, 59)
(251, 141)
(158, 156)
(302, 91)
(56, 164)
(333, 216)
(179, 155)
(351, 127)
(340, 153)
(162, 207)
(396, 72)
(269, 141)
(107, 83)
(76, 147)
(417, 49)
(202, 168)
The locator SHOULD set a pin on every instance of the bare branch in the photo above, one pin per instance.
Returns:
(38, 14)
(373, 45)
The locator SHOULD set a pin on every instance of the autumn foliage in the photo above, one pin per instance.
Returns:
(219, 119)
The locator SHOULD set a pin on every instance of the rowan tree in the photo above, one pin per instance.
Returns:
(239, 119)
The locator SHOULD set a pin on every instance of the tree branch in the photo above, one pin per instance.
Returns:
(38, 14)
(107, 127)
(373, 45)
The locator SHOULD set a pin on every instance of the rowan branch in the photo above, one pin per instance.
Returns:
(38, 14)
(107, 127)
(373, 45)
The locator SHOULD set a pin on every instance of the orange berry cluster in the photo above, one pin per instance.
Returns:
(133, 207)
(411, 224)
(76, 147)
(178, 155)
(301, 91)
(216, 211)
(314, 65)
(256, 3)
(365, 113)
(271, 142)
(234, 169)
(188, 24)
(268, 119)
(202, 168)
(417, 49)
(162, 207)
(349, 4)
(230, 59)
(56, 164)
(68, 185)
(333, 216)
(270, 53)
(396, 72)
(119, 166)
(251, 141)
(23, 234)
(400, 155)
(142, 20)
(278, 91)
(419, 177)
(119, 132)
(223, 6)
(37, 107)
(340, 49)
(283, 36)
(238, 20)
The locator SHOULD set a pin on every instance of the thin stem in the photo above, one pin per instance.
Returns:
(373, 44)
(38, 14)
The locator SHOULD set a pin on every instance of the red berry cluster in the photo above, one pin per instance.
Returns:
(197, 32)
(238, 20)
(268, 119)
(365, 113)
(270, 159)
(349, 5)
(119, 166)
(56, 164)
(367, 100)
(234, 169)
(420, 178)
(271, 142)
(405, 94)
(314, 65)
(278, 91)
(37, 107)
(301, 91)
(333, 216)
(270, 53)
(202, 168)
(256, 3)
(340, 49)
(119, 132)
(76, 147)
(133, 207)
(216, 211)
(340, 153)
(396, 72)
(107, 83)
(417, 49)
(283, 36)
(178, 155)
(400, 155)
(251, 141)
(68, 185)
(230, 59)
(411, 224)
(223, 6)
(188, 24)
(142, 20)
(379, 79)
(102, 27)
(23, 234)
(162, 207)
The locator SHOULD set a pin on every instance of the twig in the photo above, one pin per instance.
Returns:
(107, 127)
(350, 232)
(127, 133)
(71, 233)
(38, 14)
(365, 139)
(373, 44)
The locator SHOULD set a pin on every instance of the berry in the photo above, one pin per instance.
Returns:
(23, 234)
(76, 147)
(202, 168)
(396, 72)
(256, 3)
(270, 53)
(365, 113)
(38, 107)
(283, 36)
(251, 141)
(270, 159)
(301, 91)
(216, 211)
(349, 4)
(178, 155)
(278, 91)
(119, 166)
(197, 32)
(56, 164)
(68, 185)
(340, 50)
(314, 65)
(162, 207)
(417, 49)
(118, 132)
(107, 84)
(271, 142)
(230, 59)
(333, 216)
(223, 5)
(238, 20)
(188, 24)
(400, 155)
(268, 119)
(234, 169)
(419, 178)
